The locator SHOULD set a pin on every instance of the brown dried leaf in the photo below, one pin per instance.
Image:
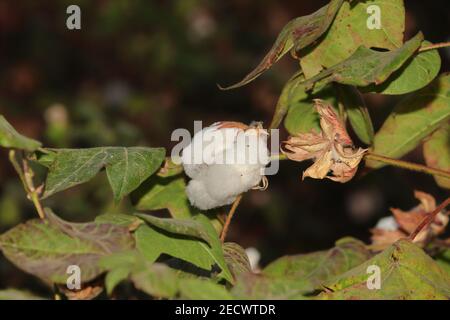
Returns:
(86, 293)
(305, 146)
(382, 239)
(332, 149)
(408, 221)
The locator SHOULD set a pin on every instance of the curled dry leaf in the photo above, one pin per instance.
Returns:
(332, 150)
(382, 238)
(88, 291)
(407, 221)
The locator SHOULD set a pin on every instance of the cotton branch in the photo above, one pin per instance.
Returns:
(26, 176)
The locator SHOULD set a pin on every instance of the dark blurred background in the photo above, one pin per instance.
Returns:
(137, 70)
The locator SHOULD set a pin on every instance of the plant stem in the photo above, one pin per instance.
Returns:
(407, 165)
(26, 176)
(18, 168)
(435, 46)
(280, 156)
(229, 217)
(428, 219)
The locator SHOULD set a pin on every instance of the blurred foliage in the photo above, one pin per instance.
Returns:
(139, 69)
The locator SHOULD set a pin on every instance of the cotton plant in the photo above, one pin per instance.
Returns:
(186, 253)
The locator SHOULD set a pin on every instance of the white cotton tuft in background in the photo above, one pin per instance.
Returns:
(253, 257)
(387, 224)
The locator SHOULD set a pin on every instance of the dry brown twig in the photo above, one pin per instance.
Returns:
(427, 220)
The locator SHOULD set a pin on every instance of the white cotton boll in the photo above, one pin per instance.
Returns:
(224, 160)
(207, 145)
(193, 170)
(221, 181)
(387, 224)
(256, 145)
(249, 176)
(199, 196)
(220, 184)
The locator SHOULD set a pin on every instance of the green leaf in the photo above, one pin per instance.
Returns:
(366, 66)
(216, 247)
(413, 119)
(114, 277)
(119, 266)
(436, 151)
(15, 294)
(121, 259)
(10, 138)
(415, 74)
(203, 289)
(186, 227)
(123, 220)
(443, 260)
(254, 286)
(152, 242)
(286, 98)
(164, 193)
(236, 258)
(297, 34)
(296, 277)
(157, 280)
(110, 237)
(45, 248)
(309, 271)
(357, 112)
(406, 273)
(126, 168)
(302, 116)
(349, 31)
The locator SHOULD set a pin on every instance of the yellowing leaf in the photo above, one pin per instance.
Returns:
(126, 168)
(366, 66)
(415, 74)
(406, 272)
(413, 119)
(349, 31)
(299, 276)
(436, 151)
(10, 138)
(297, 34)
(45, 248)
